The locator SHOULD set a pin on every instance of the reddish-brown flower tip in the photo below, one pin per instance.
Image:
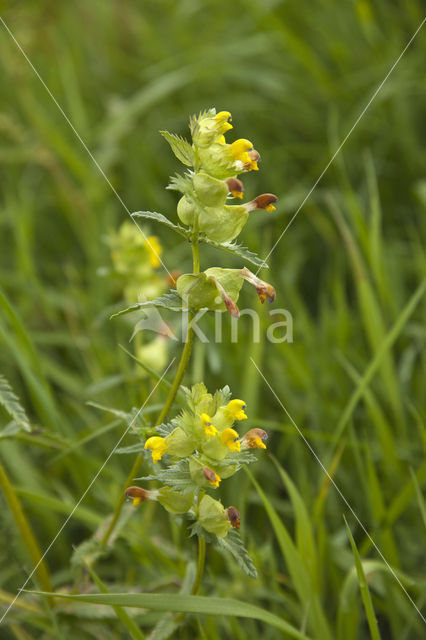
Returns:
(211, 476)
(233, 516)
(254, 439)
(236, 187)
(265, 291)
(265, 201)
(229, 303)
(137, 494)
(231, 307)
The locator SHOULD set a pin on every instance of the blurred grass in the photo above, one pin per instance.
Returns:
(295, 77)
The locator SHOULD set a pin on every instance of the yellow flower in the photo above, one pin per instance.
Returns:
(157, 446)
(211, 476)
(229, 438)
(209, 429)
(236, 409)
(154, 250)
(137, 494)
(254, 439)
(240, 149)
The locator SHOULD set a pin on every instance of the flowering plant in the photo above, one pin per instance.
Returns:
(192, 453)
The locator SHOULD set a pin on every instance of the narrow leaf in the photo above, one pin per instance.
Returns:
(158, 217)
(171, 301)
(238, 250)
(365, 593)
(187, 604)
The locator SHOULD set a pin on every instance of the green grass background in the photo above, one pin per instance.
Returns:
(350, 269)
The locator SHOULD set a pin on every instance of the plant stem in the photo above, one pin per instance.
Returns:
(25, 531)
(186, 354)
(200, 565)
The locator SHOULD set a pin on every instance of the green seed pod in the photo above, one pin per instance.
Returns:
(210, 191)
(215, 289)
(173, 501)
(185, 211)
(223, 224)
(179, 444)
(212, 516)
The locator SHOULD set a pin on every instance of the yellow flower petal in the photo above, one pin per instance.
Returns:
(229, 438)
(157, 446)
(236, 409)
(209, 429)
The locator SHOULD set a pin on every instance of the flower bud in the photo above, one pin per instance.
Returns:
(254, 439)
(264, 290)
(209, 129)
(210, 191)
(233, 516)
(173, 501)
(139, 495)
(212, 516)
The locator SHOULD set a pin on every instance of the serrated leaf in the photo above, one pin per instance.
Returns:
(158, 217)
(182, 184)
(239, 458)
(238, 250)
(180, 147)
(10, 402)
(176, 476)
(233, 543)
(171, 301)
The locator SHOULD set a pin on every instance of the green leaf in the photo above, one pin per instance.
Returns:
(180, 147)
(130, 624)
(176, 476)
(158, 217)
(233, 543)
(365, 593)
(238, 250)
(171, 301)
(187, 604)
(11, 403)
